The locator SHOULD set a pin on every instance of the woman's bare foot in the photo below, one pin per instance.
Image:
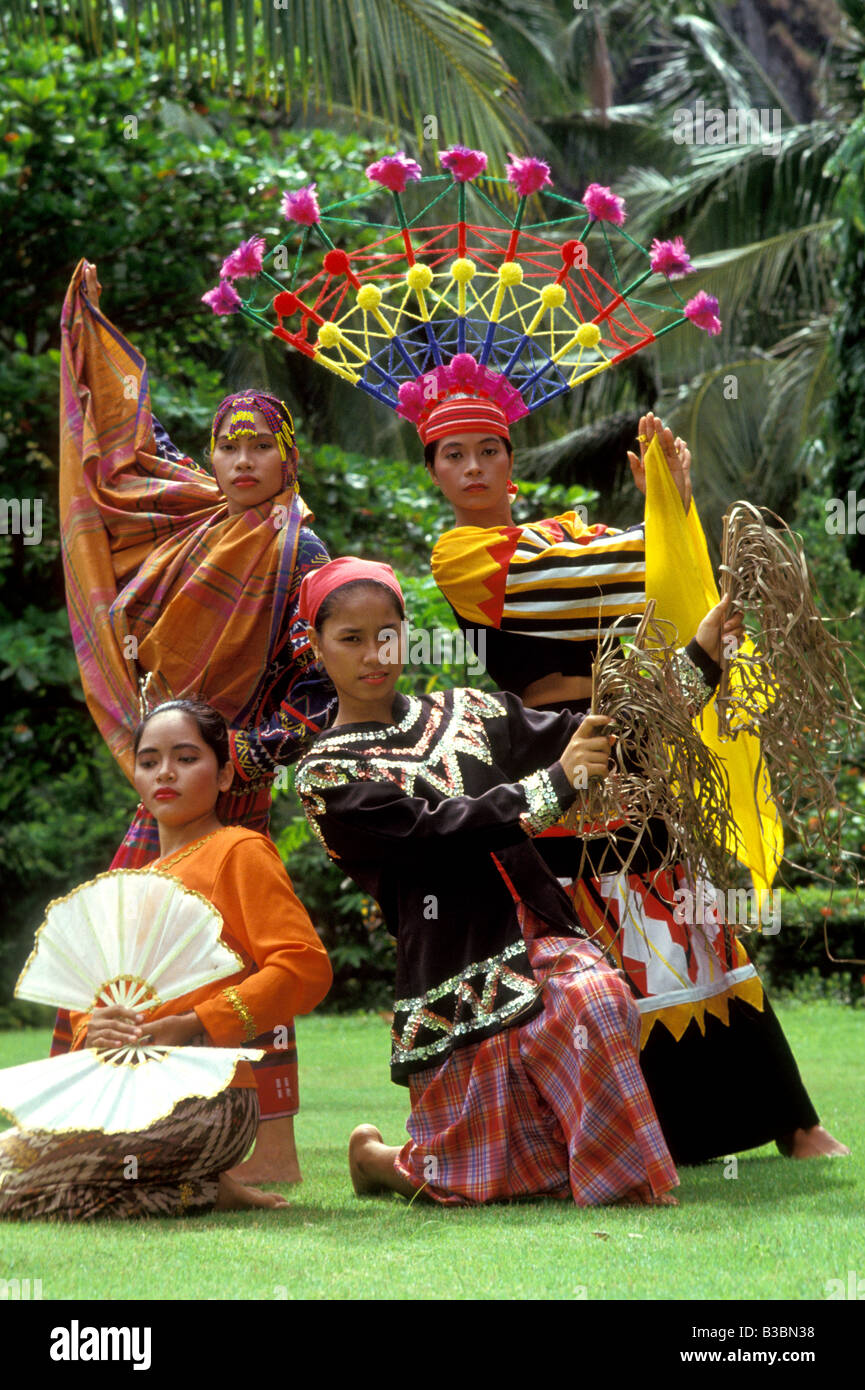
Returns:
(274, 1158)
(815, 1142)
(371, 1164)
(234, 1196)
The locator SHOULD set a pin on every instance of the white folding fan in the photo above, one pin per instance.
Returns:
(131, 936)
(119, 1092)
(115, 940)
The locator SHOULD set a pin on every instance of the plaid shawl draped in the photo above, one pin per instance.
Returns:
(159, 577)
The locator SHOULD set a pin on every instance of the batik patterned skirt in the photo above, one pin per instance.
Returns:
(170, 1169)
(557, 1107)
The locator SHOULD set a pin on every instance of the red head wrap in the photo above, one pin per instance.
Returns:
(464, 415)
(318, 583)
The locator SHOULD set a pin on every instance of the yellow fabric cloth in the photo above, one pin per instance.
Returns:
(679, 577)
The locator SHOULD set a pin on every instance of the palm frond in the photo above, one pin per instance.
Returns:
(425, 65)
(726, 188)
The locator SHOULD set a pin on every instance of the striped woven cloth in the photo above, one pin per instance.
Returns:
(557, 578)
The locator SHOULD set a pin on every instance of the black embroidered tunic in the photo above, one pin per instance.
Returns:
(433, 817)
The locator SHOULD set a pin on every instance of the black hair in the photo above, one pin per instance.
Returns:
(209, 722)
(328, 604)
(429, 450)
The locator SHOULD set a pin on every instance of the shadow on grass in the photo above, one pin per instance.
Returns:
(771, 1179)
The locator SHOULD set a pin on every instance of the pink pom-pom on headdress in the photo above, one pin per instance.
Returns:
(411, 400)
(527, 174)
(702, 310)
(246, 259)
(222, 300)
(463, 163)
(670, 258)
(393, 171)
(302, 206)
(463, 370)
(603, 205)
(462, 379)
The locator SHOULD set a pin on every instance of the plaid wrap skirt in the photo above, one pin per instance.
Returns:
(555, 1108)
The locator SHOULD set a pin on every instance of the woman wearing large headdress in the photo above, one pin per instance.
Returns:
(536, 599)
(187, 584)
(463, 329)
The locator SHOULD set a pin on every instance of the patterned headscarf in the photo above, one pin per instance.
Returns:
(239, 410)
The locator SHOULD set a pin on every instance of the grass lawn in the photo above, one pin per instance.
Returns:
(778, 1230)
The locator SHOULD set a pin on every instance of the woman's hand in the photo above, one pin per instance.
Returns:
(588, 753)
(717, 630)
(174, 1031)
(92, 286)
(112, 1026)
(676, 452)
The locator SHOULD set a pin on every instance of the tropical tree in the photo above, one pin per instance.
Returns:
(757, 205)
(423, 68)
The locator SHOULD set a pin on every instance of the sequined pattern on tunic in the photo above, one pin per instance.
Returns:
(433, 756)
(482, 995)
(543, 802)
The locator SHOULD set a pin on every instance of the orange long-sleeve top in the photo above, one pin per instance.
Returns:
(285, 967)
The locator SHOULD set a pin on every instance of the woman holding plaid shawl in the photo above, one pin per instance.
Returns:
(188, 583)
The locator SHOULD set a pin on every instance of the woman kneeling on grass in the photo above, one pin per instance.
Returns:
(518, 1042)
(181, 766)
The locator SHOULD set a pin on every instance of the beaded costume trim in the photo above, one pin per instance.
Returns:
(695, 687)
(234, 999)
(434, 757)
(544, 808)
(483, 995)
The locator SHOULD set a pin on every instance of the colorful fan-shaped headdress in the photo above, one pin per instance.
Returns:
(501, 314)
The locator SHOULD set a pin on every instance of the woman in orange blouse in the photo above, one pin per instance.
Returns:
(181, 765)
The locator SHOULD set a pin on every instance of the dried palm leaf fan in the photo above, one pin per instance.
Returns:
(133, 937)
(793, 688)
(668, 793)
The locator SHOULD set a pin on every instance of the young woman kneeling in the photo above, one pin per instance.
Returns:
(518, 1042)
